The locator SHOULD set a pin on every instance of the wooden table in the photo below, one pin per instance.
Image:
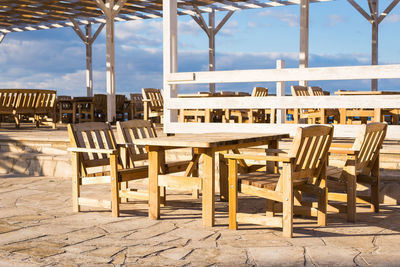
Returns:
(375, 114)
(81, 108)
(205, 145)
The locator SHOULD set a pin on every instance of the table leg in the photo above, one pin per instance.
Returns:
(74, 113)
(343, 116)
(154, 192)
(272, 167)
(208, 187)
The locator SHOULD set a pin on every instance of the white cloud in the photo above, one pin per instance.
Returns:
(393, 18)
(289, 18)
(189, 27)
(335, 19)
(251, 24)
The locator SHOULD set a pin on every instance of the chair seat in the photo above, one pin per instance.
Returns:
(265, 180)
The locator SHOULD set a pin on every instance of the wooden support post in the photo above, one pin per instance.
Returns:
(88, 39)
(154, 191)
(114, 185)
(280, 91)
(375, 19)
(374, 42)
(170, 56)
(375, 188)
(2, 36)
(211, 45)
(233, 194)
(75, 182)
(304, 30)
(110, 11)
(211, 32)
(287, 217)
(89, 69)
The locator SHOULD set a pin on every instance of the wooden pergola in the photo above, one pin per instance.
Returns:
(29, 15)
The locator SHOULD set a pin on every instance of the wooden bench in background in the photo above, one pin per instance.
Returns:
(32, 103)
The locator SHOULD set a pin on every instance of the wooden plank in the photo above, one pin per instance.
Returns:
(287, 186)
(75, 182)
(292, 74)
(106, 204)
(259, 219)
(96, 180)
(393, 132)
(114, 185)
(180, 182)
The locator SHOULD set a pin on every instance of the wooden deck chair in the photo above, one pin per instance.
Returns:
(361, 168)
(100, 107)
(121, 106)
(253, 115)
(303, 170)
(130, 130)
(136, 106)
(95, 160)
(153, 103)
(333, 113)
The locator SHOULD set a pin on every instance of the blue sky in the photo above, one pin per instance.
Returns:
(251, 39)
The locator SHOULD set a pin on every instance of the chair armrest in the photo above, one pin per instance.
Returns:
(344, 151)
(146, 100)
(261, 158)
(92, 150)
(341, 145)
(125, 145)
(273, 150)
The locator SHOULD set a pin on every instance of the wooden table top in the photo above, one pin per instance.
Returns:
(344, 92)
(208, 140)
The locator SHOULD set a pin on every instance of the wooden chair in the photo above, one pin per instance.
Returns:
(313, 116)
(136, 106)
(100, 107)
(253, 115)
(361, 168)
(95, 160)
(303, 170)
(131, 130)
(153, 103)
(121, 107)
(64, 108)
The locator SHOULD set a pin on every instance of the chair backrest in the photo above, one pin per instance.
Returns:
(369, 141)
(100, 102)
(298, 90)
(130, 130)
(8, 99)
(310, 148)
(155, 97)
(120, 103)
(315, 91)
(137, 101)
(92, 135)
(227, 93)
(259, 91)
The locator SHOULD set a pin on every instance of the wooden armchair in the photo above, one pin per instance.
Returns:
(131, 130)
(361, 168)
(136, 106)
(100, 107)
(313, 115)
(303, 170)
(153, 104)
(95, 160)
(254, 115)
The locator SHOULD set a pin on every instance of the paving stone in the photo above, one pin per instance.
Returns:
(332, 256)
(145, 251)
(6, 227)
(361, 242)
(277, 256)
(177, 253)
(106, 252)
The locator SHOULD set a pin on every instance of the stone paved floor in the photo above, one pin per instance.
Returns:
(37, 228)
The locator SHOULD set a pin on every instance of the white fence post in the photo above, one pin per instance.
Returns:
(280, 91)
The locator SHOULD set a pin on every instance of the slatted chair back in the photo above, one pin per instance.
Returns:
(368, 142)
(259, 91)
(137, 100)
(310, 148)
(315, 91)
(37, 100)
(92, 135)
(298, 90)
(120, 103)
(155, 97)
(227, 93)
(8, 100)
(132, 130)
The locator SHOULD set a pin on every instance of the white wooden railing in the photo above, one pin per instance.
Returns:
(172, 103)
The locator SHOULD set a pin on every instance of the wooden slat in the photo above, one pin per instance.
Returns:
(94, 203)
(259, 219)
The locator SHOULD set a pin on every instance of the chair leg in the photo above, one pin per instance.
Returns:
(124, 186)
(270, 208)
(287, 220)
(114, 186)
(322, 203)
(233, 194)
(75, 182)
(375, 187)
(163, 195)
